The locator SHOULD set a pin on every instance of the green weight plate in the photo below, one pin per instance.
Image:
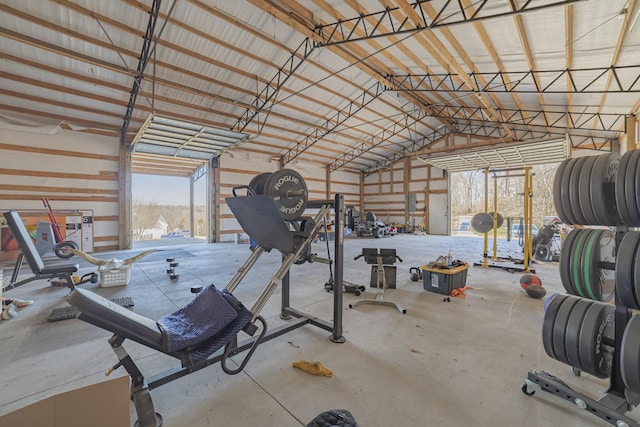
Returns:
(572, 334)
(577, 256)
(574, 191)
(603, 196)
(584, 189)
(595, 356)
(605, 278)
(565, 191)
(557, 192)
(624, 269)
(565, 261)
(630, 189)
(621, 200)
(589, 265)
(548, 322)
(560, 327)
(630, 354)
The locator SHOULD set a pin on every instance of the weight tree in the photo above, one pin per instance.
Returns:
(580, 329)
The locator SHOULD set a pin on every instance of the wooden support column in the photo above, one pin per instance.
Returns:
(327, 179)
(124, 197)
(632, 137)
(361, 205)
(407, 180)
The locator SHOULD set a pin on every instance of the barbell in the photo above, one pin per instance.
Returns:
(286, 188)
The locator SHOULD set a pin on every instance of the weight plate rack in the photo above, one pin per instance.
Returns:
(596, 265)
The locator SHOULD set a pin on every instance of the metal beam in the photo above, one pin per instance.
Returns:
(143, 60)
(577, 80)
(265, 99)
(450, 13)
(332, 123)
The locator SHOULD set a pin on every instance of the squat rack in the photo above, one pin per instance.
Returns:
(528, 214)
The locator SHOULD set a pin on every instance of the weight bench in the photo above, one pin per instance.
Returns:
(378, 261)
(199, 340)
(38, 267)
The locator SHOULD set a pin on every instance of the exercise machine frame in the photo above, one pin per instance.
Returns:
(528, 214)
(141, 386)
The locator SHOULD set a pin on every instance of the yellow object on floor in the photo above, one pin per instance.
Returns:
(315, 368)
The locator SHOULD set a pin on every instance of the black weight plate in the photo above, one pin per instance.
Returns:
(577, 256)
(621, 200)
(258, 182)
(557, 193)
(637, 181)
(288, 191)
(630, 351)
(574, 191)
(606, 278)
(572, 334)
(598, 322)
(636, 276)
(565, 261)
(548, 322)
(482, 222)
(584, 189)
(624, 269)
(565, 191)
(603, 196)
(589, 265)
(500, 219)
(560, 327)
(630, 189)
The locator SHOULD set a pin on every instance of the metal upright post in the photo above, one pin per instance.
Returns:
(338, 206)
(485, 254)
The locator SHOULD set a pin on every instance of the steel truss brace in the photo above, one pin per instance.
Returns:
(384, 136)
(335, 121)
(263, 100)
(143, 60)
(624, 79)
(609, 122)
(450, 13)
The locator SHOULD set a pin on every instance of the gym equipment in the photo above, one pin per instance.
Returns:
(216, 338)
(415, 274)
(60, 246)
(171, 271)
(39, 269)
(536, 291)
(378, 261)
(599, 338)
(485, 222)
(286, 188)
(627, 188)
(70, 312)
(544, 243)
(528, 280)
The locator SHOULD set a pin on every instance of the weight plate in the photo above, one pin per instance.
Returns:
(630, 189)
(603, 196)
(635, 288)
(557, 193)
(621, 201)
(637, 181)
(258, 182)
(574, 191)
(577, 256)
(548, 322)
(560, 327)
(624, 269)
(589, 264)
(595, 356)
(482, 222)
(500, 219)
(584, 190)
(572, 334)
(630, 354)
(606, 277)
(288, 191)
(565, 262)
(565, 191)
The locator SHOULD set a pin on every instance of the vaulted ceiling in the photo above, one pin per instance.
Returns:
(341, 83)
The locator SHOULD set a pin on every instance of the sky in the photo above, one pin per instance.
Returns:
(166, 190)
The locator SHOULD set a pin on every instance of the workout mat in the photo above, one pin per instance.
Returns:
(69, 312)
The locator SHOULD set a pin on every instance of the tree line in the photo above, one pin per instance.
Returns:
(147, 214)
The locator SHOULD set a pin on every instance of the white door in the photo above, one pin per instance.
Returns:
(439, 214)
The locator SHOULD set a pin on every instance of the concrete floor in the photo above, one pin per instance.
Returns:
(441, 364)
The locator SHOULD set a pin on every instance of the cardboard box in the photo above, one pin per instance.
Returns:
(444, 280)
(105, 404)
